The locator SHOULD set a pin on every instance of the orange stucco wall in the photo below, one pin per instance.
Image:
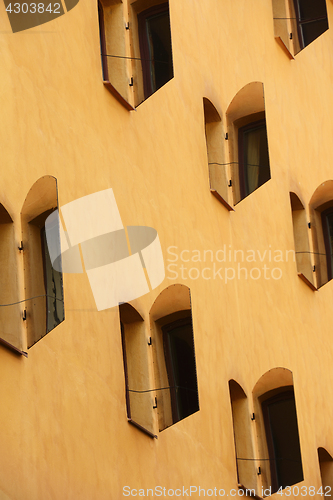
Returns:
(64, 432)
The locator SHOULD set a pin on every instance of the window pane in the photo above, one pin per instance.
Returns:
(284, 432)
(160, 52)
(180, 340)
(53, 289)
(311, 31)
(312, 9)
(256, 159)
(329, 250)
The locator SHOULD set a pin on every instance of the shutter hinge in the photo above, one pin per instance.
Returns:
(127, 26)
(230, 183)
(309, 225)
(155, 406)
(149, 341)
(253, 417)
(21, 247)
(131, 83)
(290, 36)
(24, 315)
(259, 471)
(226, 136)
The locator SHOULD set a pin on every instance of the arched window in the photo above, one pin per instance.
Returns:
(248, 143)
(114, 55)
(326, 471)
(135, 41)
(297, 23)
(246, 471)
(218, 168)
(43, 284)
(302, 247)
(276, 420)
(321, 210)
(175, 366)
(311, 20)
(155, 47)
(10, 308)
(139, 397)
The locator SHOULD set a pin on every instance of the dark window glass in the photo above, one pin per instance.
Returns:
(283, 440)
(312, 20)
(253, 157)
(155, 47)
(181, 368)
(327, 221)
(53, 289)
(102, 42)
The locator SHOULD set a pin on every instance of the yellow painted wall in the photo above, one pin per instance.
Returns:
(64, 432)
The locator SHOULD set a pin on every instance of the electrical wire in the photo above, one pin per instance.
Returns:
(31, 298)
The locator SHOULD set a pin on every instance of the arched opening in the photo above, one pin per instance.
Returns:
(321, 216)
(43, 284)
(139, 397)
(302, 247)
(246, 469)
(248, 143)
(10, 308)
(174, 353)
(218, 169)
(326, 471)
(278, 436)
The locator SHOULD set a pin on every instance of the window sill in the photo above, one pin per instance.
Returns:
(138, 426)
(118, 96)
(222, 200)
(13, 348)
(284, 47)
(307, 282)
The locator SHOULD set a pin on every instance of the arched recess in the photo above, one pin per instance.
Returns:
(326, 471)
(246, 468)
(321, 217)
(284, 18)
(277, 429)
(174, 355)
(10, 309)
(297, 23)
(43, 284)
(112, 38)
(248, 143)
(301, 238)
(139, 397)
(218, 169)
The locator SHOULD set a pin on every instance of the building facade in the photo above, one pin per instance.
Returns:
(197, 360)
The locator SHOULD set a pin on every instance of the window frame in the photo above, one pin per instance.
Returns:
(44, 249)
(285, 394)
(328, 248)
(300, 22)
(102, 39)
(241, 151)
(126, 317)
(170, 368)
(144, 46)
